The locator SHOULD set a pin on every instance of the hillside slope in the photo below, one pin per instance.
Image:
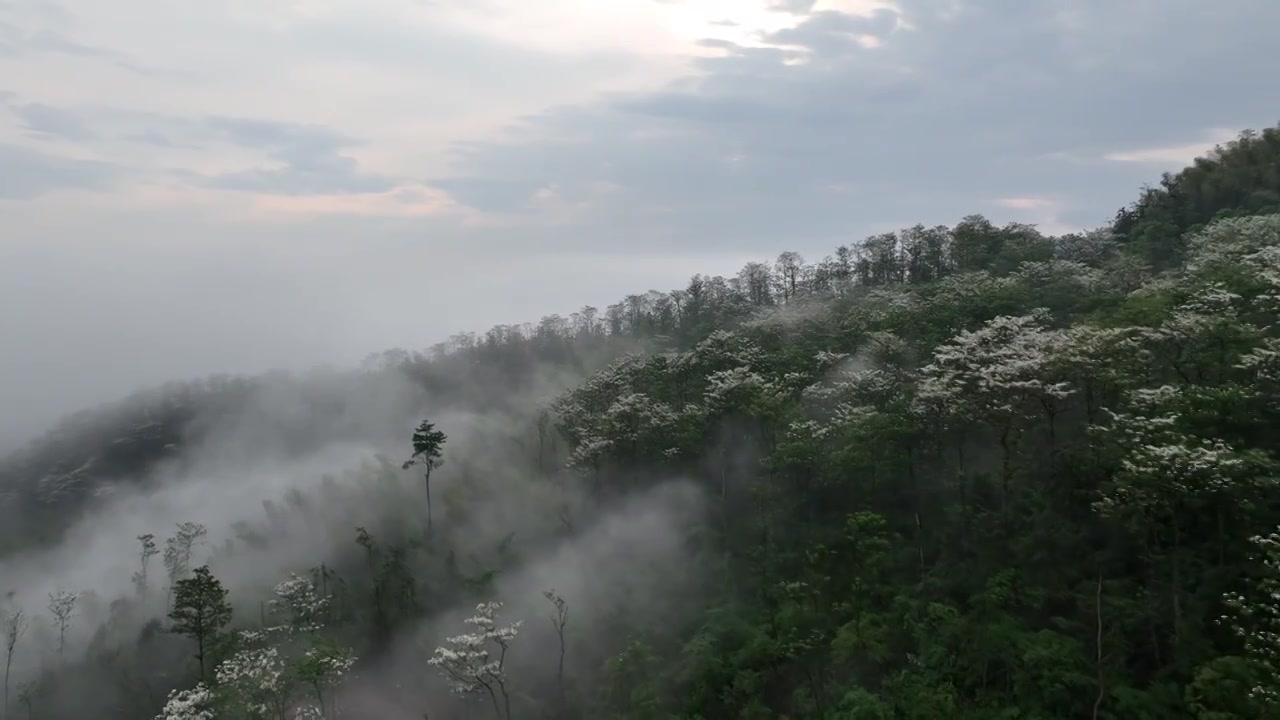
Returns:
(970, 472)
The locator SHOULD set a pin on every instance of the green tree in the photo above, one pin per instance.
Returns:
(200, 611)
(428, 445)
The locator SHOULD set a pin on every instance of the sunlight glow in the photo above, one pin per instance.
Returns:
(645, 27)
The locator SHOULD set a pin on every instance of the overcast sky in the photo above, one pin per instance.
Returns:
(233, 185)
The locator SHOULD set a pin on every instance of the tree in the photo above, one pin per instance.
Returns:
(257, 682)
(559, 618)
(15, 626)
(427, 446)
(193, 704)
(177, 553)
(786, 271)
(998, 375)
(147, 551)
(467, 659)
(27, 697)
(323, 667)
(200, 611)
(303, 606)
(62, 605)
(1256, 619)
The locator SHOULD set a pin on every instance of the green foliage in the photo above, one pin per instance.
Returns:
(200, 611)
(427, 443)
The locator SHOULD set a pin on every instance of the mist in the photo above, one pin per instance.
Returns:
(283, 474)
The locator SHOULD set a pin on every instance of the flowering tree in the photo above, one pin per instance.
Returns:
(998, 374)
(298, 599)
(1257, 621)
(1204, 336)
(256, 682)
(194, 704)
(469, 663)
(264, 678)
(322, 668)
(1166, 472)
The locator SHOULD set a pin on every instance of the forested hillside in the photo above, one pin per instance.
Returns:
(969, 472)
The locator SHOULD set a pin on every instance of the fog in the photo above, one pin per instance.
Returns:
(85, 320)
(282, 482)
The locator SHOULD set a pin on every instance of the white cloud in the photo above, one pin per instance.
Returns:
(235, 184)
(1025, 203)
(1174, 155)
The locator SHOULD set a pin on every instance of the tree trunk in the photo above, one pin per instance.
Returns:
(915, 501)
(560, 694)
(1097, 704)
(427, 477)
(200, 653)
(1176, 580)
(8, 663)
(1004, 473)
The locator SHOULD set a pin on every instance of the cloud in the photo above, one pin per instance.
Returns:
(26, 173)
(829, 33)
(38, 29)
(1181, 154)
(400, 201)
(51, 121)
(537, 156)
(959, 102)
(1025, 203)
(307, 159)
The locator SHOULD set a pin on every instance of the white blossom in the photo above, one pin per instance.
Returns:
(1036, 275)
(257, 679)
(720, 350)
(993, 370)
(1162, 463)
(588, 451)
(1229, 241)
(193, 704)
(1257, 620)
(469, 661)
(1263, 361)
(967, 287)
(298, 599)
(733, 387)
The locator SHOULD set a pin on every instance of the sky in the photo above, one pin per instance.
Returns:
(236, 185)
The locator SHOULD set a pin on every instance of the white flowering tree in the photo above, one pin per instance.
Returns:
(194, 704)
(303, 607)
(740, 388)
(256, 683)
(1166, 472)
(1224, 244)
(1101, 362)
(322, 668)
(1256, 619)
(281, 672)
(1058, 283)
(999, 374)
(1204, 336)
(721, 350)
(475, 662)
